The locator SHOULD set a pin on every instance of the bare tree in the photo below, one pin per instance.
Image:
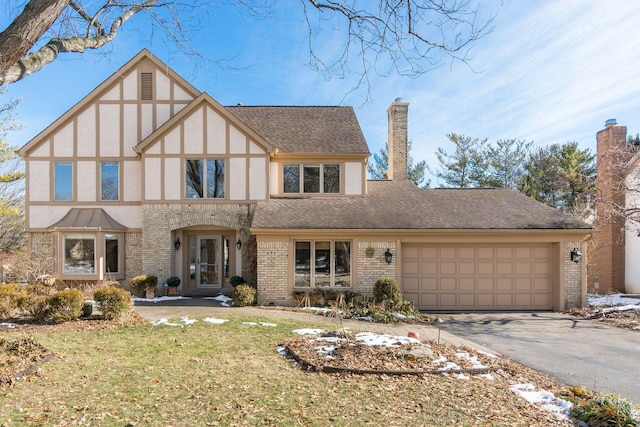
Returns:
(410, 37)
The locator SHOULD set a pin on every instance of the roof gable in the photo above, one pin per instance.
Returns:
(203, 100)
(106, 91)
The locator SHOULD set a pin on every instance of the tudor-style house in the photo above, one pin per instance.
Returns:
(147, 174)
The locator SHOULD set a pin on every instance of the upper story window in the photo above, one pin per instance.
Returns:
(204, 179)
(110, 181)
(63, 181)
(311, 178)
(146, 86)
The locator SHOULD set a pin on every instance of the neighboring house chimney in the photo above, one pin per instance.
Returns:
(397, 144)
(606, 267)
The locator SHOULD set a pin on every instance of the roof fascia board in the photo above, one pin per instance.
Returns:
(573, 232)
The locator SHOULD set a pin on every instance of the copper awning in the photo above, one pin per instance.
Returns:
(87, 219)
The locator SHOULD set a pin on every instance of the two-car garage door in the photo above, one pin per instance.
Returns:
(477, 277)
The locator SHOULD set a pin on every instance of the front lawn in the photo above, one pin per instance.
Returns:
(207, 374)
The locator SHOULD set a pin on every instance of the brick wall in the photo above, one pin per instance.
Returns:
(273, 273)
(132, 256)
(159, 220)
(371, 268)
(574, 291)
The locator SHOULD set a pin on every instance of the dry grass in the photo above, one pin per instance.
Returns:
(231, 374)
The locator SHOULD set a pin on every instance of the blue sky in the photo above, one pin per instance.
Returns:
(550, 72)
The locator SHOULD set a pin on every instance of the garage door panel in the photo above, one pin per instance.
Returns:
(482, 277)
(429, 267)
(467, 300)
(485, 284)
(486, 300)
(448, 284)
(467, 284)
(429, 284)
(504, 268)
(467, 268)
(411, 267)
(523, 284)
(486, 268)
(411, 284)
(448, 268)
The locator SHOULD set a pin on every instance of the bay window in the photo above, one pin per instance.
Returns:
(89, 255)
(322, 263)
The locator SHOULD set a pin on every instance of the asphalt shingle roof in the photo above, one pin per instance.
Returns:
(402, 205)
(333, 130)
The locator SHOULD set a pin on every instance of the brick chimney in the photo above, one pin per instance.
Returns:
(397, 144)
(606, 269)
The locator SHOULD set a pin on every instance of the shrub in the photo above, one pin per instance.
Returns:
(65, 305)
(35, 306)
(243, 295)
(142, 282)
(173, 281)
(236, 280)
(9, 297)
(386, 288)
(113, 302)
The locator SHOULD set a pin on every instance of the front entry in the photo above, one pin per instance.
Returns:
(206, 261)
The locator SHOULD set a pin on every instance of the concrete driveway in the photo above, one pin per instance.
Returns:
(577, 351)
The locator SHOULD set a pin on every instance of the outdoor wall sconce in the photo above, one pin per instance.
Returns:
(177, 244)
(388, 256)
(239, 244)
(576, 255)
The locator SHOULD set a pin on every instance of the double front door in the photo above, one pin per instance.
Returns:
(208, 259)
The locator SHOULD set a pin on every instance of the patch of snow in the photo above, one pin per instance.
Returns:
(484, 353)
(281, 350)
(611, 300)
(214, 321)
(620, 308)
(365, 318)
(8, 325)
(318, 309)
(308, 331)
(261, 324)
(439, 360)
(188, 321)
(370, 338)
(224, 300)
(450, 366)
(475, 363)
(325, 349)
(400, 316)
(157, 299)
(165, 322)
(487, 377)
(560, 408)
(462, 377)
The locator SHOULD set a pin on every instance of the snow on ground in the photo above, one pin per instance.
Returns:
(270, 325)
(613, 300)
(158, 299)
(225, 301)
(560, 408)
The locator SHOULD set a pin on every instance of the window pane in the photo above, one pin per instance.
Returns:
(111, 259)
(194, 179)
(291, 178)
(303, 263)
(110, 177)
(323, 264)
(79, 250)
(215, 179)
(342, 264)
(63, 181)
(311, 178)
(331, 178)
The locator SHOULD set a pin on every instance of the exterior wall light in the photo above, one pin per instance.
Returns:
(388, 256)
(239, 244)
(576, 255)
(177, 244)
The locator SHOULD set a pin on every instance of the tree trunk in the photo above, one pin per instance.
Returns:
(26, 30)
